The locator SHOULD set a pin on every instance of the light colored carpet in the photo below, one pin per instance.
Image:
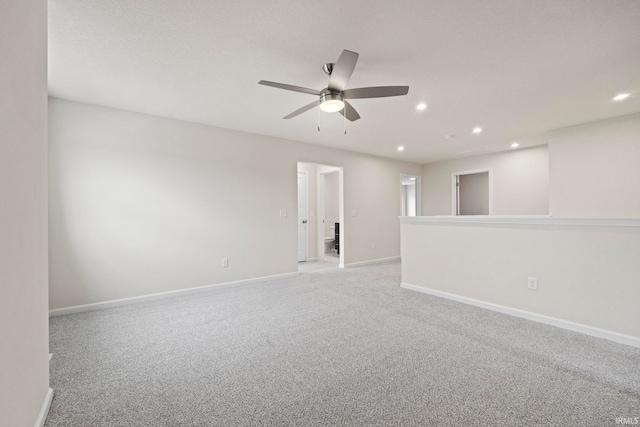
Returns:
(331, 347)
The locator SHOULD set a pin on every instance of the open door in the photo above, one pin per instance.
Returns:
(303, 222)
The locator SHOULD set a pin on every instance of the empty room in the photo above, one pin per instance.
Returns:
(420, 213)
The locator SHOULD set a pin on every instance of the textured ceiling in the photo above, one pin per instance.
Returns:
(517, 68)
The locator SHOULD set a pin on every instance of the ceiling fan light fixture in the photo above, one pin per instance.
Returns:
(331, 102)
(332, 98)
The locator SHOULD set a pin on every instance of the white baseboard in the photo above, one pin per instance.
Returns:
(44, 410)
(160, 295)
(547, 320)
(371, 261)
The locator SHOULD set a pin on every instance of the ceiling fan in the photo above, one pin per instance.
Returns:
(334, 97)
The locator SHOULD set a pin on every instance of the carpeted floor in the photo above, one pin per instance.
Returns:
(331, 347)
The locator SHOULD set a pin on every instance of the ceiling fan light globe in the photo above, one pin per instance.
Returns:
(331, 102)
(332, 105)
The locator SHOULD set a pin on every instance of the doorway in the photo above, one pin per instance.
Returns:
(471, 192)
(329, 200)
(410, 195)
(324, 210)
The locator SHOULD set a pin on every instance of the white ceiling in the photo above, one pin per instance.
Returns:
(517, 68)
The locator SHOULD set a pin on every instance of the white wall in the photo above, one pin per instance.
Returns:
(24, 368)
(520, 182)
(594, 171)
(586, 275)
(142, 204)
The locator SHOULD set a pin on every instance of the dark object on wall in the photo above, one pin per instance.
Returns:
(337, 238)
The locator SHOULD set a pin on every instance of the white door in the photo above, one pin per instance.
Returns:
(302, 216)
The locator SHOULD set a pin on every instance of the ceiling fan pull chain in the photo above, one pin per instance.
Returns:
(344, 120)
(318, 115)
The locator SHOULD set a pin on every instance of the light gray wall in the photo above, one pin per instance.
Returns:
(520, 180)
(142, 204)
(594, 171)
(24, 328)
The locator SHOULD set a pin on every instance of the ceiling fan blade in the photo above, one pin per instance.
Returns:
(349, 112)
(342, 70)
(290, 87)
(301, 110)
(375, 92)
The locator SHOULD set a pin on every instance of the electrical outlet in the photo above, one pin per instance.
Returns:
(532, 283)
(225, 262)
(373, 246)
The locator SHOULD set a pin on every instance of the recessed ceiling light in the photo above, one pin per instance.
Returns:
(621, 96)
(400, 148)
(515, 145)
(421, 106)
(477, 130)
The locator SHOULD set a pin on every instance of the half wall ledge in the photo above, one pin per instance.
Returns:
(522, 220)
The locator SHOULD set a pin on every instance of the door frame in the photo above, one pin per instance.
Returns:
(418, 192)
(454, 189)
(320, 204)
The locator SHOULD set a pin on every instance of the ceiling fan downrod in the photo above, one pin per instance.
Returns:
(328, 67)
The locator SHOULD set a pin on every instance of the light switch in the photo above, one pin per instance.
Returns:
(354, 213)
